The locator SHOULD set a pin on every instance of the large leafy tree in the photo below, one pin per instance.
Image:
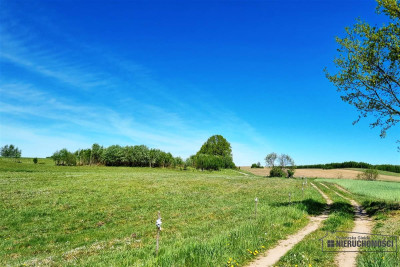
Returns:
(216, 145)
(214, 154)
(368, 66)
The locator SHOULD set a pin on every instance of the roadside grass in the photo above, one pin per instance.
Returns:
(105, 216)
(387, 223)
(308, 252)
(379, 171)
(386, 215)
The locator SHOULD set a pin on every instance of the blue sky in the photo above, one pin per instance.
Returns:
(169, 74)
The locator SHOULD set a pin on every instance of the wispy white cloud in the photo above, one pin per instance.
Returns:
(93, 118)
(51, 64)
(117, 108)
(70, 118)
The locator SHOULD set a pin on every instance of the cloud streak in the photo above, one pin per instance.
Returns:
(70, 98)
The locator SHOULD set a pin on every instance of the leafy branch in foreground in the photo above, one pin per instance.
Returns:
(369, 68)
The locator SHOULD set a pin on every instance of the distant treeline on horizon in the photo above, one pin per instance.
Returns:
(352, 164)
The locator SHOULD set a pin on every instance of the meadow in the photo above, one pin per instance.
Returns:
(101, 216)
(90, 215)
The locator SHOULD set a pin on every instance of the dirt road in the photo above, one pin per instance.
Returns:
(362, 224)
(271, 256)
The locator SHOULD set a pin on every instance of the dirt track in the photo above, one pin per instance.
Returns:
(320, 173)
(272, 256)
(363, 224)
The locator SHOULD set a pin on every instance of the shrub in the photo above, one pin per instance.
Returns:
(256, 165)
(290, 173)
(35, 160)
(369, 174)
(277, 172)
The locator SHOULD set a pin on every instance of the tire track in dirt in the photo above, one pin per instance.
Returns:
(272, 256)
(362, 224)
(324, 185)
(342, 189)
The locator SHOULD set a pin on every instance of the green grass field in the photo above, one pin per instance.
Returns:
(374, 189)
(104, 216)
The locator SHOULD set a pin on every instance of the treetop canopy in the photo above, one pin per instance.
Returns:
(216, 145)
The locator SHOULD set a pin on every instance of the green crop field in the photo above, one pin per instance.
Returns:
(375, 189)
(91, 216)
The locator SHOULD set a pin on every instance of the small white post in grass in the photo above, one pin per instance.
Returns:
(158, 224)
(302, 190)
(255, 211)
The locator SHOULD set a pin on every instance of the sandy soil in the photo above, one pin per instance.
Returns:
(320, 173)
(271, 256)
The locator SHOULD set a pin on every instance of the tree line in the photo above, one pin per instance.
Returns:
(116, 155)
(353, 164)
(215, 154)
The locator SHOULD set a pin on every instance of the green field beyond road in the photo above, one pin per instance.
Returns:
(375, 189)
